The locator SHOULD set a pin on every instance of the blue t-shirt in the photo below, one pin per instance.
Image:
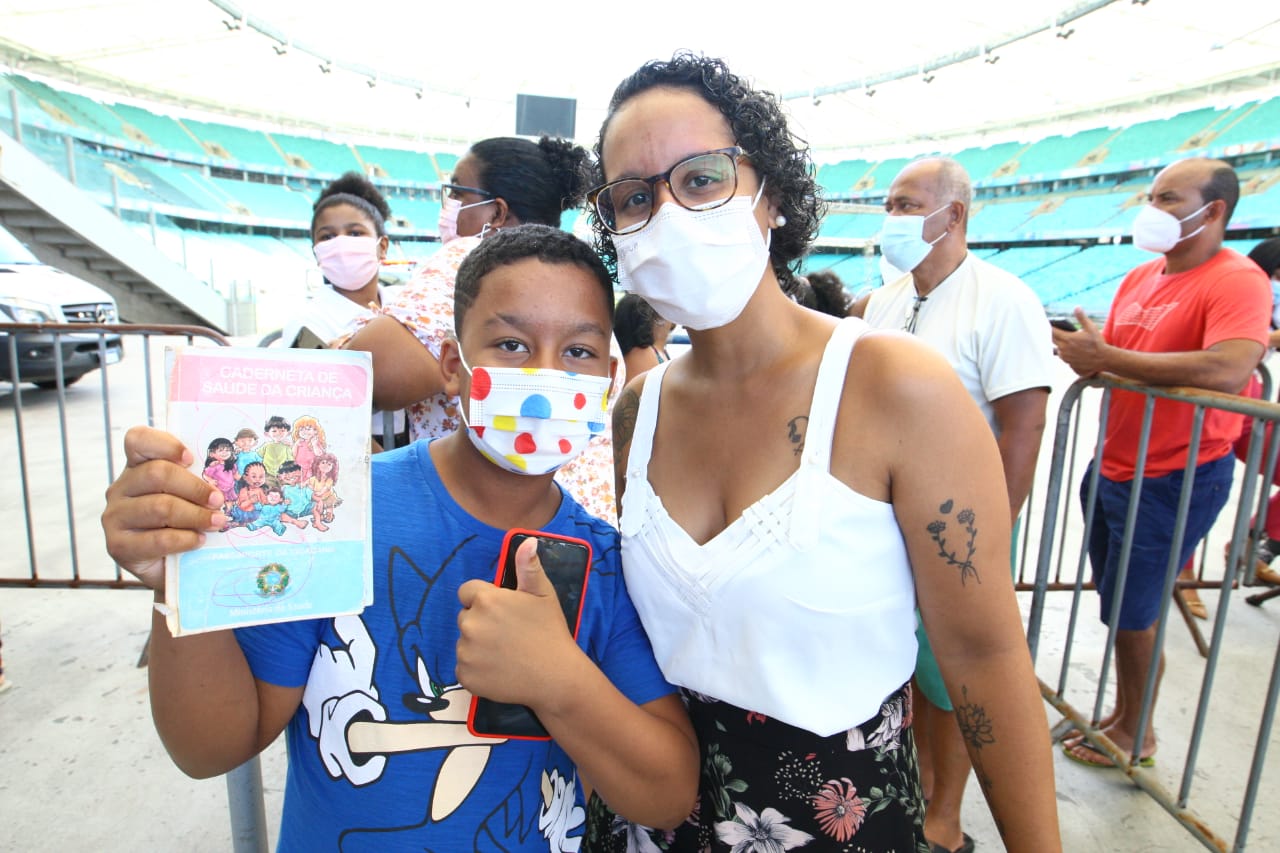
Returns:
(422, 782)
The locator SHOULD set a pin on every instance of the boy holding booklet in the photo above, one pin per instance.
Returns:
(375, 705)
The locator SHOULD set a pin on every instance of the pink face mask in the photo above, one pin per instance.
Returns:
(348, 262)
(447, 223)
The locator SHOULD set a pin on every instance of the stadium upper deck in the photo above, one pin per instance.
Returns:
(1055, 211)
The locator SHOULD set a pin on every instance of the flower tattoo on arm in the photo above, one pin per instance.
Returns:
(965, 564)
(977, 730)
(974, 723)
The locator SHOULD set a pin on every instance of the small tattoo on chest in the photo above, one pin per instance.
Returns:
(795, 433)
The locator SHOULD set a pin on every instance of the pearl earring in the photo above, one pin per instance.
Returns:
(779, 221)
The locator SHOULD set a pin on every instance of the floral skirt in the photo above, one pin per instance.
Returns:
(768, 786)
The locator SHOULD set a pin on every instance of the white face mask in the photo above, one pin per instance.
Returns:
(888, 272)
(348, 262)
(447, 224)
(902, 241)
(697, 268)
(533, 421)
(1159, 231)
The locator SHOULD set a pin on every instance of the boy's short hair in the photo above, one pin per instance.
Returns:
(288, 467)
(275, 422)
(547, 244)
(246, 433)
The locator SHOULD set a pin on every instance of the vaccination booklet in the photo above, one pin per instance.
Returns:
(284, 436)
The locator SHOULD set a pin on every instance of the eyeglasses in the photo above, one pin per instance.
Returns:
(701, 182)
(456, 191)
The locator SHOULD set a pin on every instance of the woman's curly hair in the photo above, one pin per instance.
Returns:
(539, 181)
(758, 126)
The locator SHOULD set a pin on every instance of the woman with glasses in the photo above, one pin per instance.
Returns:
(499, 183)
(506, 181)
(792, 485)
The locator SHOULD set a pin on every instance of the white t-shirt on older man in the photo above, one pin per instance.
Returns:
(986, 322)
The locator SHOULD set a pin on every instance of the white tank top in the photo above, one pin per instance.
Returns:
(802, 609)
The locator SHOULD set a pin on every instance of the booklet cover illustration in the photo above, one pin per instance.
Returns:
(284, 436)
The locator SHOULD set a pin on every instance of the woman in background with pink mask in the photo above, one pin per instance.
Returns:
(499, 183)
(793, 484)
(349, 238)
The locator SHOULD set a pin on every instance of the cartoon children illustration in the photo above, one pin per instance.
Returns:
(324, 483)
(308, 443)
(270, 512)
(276, 450)
(250, 495)
(299, 498)
(246, 449)
(220, 467)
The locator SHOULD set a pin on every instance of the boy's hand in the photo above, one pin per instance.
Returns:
(513, 644)
(156, 506)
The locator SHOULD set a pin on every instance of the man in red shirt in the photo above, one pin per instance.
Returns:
(1197, 315)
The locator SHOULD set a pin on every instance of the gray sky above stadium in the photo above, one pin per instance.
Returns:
(853, 73)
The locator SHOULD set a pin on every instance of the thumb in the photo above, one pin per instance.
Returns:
(1085, 323)
(530, 577)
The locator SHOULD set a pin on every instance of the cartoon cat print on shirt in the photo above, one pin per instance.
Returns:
(355, 733)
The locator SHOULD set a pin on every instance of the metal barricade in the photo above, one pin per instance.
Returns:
(85, 427)
(1057, 546)
(1025, 559)
(87, 430)
(60, 508)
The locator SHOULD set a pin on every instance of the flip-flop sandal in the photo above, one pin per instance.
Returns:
(1096, 758)
(966, 846)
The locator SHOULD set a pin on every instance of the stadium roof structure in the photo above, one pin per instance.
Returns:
(853, 75)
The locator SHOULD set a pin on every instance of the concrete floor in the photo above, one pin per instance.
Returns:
(82, 769)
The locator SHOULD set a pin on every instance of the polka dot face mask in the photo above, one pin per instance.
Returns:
(531, 421)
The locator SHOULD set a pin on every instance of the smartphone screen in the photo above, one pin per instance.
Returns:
(308, 339)
(567, 562)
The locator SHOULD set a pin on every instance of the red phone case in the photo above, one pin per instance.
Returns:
(573, 625)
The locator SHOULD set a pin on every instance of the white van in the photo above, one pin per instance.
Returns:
(32, 292)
